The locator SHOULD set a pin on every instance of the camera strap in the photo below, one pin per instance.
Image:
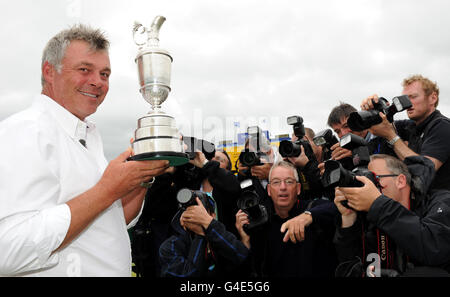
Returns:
(383, 250)
(304, 182)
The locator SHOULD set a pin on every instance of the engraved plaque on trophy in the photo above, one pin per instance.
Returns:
(157, 137)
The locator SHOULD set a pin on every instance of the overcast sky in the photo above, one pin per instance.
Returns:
(253, 62)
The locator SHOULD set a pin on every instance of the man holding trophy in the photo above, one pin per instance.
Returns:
(65, 210)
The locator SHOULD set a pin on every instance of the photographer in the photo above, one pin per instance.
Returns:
(426, 133)
(202, 247)
(337, 120)
(267, 155)
(153, 226)
(399, 228)
(212, 176)
(298, 239)
(308, 171)
(223, 185)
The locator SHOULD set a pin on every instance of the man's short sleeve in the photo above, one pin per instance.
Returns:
(436, 143)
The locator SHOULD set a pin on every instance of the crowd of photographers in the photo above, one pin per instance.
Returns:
(374, 201)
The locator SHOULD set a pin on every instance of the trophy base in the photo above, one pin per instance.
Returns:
(174, 158)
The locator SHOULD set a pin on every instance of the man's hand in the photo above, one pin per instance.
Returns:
(384, 129)
(296, 228)
(348, 215)
(242, 170)
(241, 220)
(301, 160)
(367, 103)
(122, 177)
(338, 152)
(196, 218)
(262, 171)
(199, 159)
(361, 198)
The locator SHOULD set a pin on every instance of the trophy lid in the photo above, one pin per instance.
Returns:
(151, 45)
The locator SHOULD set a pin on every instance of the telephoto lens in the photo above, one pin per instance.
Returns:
(249, 159)
(186, 197)
(289, 149)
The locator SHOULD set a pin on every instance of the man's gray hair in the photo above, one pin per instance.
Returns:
(284, 164)
(56, 47)
(394, 165)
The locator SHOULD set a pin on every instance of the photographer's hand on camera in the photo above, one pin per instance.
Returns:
(299, 161)
(367, 103)
(241, 220)
(348, 216)
(242, 170)
(295, 227)
(199, 160)
(384, 129)
(262, 171)
(196, 218)
(361, 198)
(339, 152)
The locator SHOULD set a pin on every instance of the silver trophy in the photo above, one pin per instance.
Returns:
(157, 137)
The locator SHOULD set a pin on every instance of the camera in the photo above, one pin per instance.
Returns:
(293, 148)
(186, 198)
(361, 120)
(326, 139)
(250, 203)
(195, 144)
(257, 145)
(335, 175)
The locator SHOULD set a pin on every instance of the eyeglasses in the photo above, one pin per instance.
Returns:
(288, 182)
(385, 175)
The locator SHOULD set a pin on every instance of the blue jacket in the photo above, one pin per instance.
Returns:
(187, 255)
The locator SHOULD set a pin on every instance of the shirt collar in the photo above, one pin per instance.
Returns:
(72, 125)
(421, 127)
(369, 136)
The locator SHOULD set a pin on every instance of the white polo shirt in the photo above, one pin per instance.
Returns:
(44, 166)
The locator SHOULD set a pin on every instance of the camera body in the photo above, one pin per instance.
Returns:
(326, 139)
(293, 148)
(249, 158)
(186, 198)
(259, 145)
(335, 175)
(250, 203)
(195, 144)
(361, 120)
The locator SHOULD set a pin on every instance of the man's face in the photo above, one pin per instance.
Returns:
(342, 129)
(389, 183)
(422, 105)
(83, 82)
(317, 150)
(284, 194)
(222, 159)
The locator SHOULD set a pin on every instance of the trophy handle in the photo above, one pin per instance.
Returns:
(152, 34)
(139, 28)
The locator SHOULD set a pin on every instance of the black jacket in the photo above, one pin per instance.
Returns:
(226, 191)
(404, 239)
(313, 257)
(187, 255)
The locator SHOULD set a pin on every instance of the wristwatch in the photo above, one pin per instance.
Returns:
(308, 212)
(393, 140)
(204, 162)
